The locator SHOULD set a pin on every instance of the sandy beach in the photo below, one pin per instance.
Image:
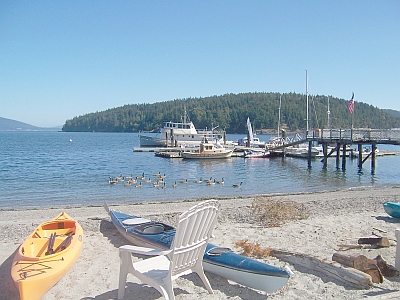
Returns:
(332, 219)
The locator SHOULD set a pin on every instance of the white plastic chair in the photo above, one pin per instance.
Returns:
(185, 256)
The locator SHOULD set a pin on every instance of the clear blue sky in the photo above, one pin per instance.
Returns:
(61, 59)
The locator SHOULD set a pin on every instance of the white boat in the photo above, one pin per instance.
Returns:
(366, 152)
(331, 151)
(180, 134)
(301, 151)
(256, 154)
(254, 141)
(208, 150)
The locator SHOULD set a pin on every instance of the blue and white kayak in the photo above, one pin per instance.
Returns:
(217, 260)
(392, 209)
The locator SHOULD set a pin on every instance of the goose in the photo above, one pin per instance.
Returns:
(147, 180)
(128, 183)
(164, 186)
(238, 185)
(142, 177)
(222, 181)
(199, 180)
(209, 180)
(174, 185)
(156, 184)
(139, 185)
(184, 181)
(133, 180)
(112, 180)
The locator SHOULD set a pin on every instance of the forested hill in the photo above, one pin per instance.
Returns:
(230, 112)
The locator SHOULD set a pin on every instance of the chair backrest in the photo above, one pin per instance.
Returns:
(194, 229)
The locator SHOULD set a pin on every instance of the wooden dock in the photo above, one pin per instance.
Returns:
(342, 138)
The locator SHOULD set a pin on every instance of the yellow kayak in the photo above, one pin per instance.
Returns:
(46, 256)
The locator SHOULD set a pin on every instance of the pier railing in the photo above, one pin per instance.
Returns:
(359, 135)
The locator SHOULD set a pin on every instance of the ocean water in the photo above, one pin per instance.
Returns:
(58, 169)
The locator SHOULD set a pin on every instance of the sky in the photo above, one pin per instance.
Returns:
(62, 59)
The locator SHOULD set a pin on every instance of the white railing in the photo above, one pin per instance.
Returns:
(359, 134)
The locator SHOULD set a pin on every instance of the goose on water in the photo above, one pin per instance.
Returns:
(112, 180)
(222, 181)
(238, 185)
(209, 180)
(199, 180)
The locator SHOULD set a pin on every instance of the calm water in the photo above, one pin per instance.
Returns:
(56, 169)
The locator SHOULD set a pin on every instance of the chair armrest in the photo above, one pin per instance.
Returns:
(143, 250)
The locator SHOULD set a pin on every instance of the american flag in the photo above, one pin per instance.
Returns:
(351, 104)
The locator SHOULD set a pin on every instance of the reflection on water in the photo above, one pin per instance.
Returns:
(47, 169)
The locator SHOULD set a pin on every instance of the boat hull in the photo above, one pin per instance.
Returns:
(256, 154)
(148, 141)
(215, 155)
(33, 270)
(219, 261)
(392, 209)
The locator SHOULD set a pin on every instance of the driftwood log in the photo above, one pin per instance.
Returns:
(361, 263)
(378, 241)
(386, 269)
(349, 276)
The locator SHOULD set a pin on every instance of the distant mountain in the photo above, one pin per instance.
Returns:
(394, 113)
(12, 125)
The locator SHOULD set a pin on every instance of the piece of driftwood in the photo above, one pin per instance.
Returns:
(380, 230)
(361, 263)
(346, 247)
(386, 269)
(333, 270)
(378, 241)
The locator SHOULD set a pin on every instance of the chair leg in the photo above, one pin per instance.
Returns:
(125, 263)
(168, 291)
(200, 271)
(204, 278)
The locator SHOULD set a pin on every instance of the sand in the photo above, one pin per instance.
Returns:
(333, 218)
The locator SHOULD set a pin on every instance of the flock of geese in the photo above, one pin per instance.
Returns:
(159, 181)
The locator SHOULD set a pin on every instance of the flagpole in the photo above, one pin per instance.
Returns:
(352, 120)
(352, 113)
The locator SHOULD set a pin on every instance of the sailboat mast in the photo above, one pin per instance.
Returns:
(307, 103)
(279, 114)
(329, 112)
